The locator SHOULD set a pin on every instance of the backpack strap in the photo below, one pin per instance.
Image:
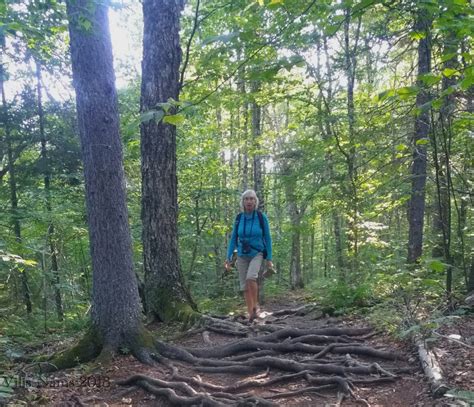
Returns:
(262, 225)
(237, 222)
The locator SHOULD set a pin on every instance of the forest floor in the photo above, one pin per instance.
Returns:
(97, 385)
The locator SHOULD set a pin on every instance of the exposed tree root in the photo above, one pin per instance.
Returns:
(275, 363)
(336, 365)
(190, 396)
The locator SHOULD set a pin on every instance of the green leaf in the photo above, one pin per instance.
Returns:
(385, 95)
(430, 282)
(147, 116)
(155, 115)
(422, 141)
(364, 4)
(448, 72)
(467, 56)
(275, 2)
(437, 103)
(430, 79)
(331, 29)
(417, 35)
(224, 38)
(448, 57)
(85, 24)
(407, 92)
(166, 106)
(467, 82)
(436, 265)
(401, 147)
(176, 119)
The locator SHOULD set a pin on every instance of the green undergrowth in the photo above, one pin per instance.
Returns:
(400, 301)
(23, 334)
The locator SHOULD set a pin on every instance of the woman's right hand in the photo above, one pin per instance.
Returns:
(227, 265)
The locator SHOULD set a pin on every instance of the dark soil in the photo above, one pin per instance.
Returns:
(96, 385)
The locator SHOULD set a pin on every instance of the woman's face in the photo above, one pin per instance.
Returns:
(249, 203)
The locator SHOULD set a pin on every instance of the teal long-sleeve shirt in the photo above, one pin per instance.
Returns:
(249, 230)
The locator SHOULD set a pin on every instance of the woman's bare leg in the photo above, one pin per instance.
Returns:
(251, 298)
(248, 298)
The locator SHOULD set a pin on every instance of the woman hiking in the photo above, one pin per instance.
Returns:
(251, 236)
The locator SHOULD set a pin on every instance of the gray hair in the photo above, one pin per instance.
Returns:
(249, 192)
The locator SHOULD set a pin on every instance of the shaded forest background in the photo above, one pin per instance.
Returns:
(352, 121)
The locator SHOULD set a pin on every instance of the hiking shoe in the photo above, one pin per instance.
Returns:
(254, 315)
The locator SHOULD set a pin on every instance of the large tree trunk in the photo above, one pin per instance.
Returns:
(116, 316)
(422, 126)
(47, 192)
(15, 220)
(166, 294)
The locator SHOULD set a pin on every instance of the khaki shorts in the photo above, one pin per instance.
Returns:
(248, 268)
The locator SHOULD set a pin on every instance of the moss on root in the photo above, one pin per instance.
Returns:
(87, 349)
(91, 347)
(174, 311)
(144, 340)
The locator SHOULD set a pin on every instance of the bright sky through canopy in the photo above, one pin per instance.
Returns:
(126, 34)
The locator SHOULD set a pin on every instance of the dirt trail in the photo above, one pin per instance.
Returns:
(377, 370)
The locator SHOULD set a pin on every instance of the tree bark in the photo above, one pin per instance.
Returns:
(167, 296)
(116, 315)
(416, 210)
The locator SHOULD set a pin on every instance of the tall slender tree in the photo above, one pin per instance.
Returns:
(167, 297)
(258, 161)
(416, 210)
(350, 53)
(47, 191)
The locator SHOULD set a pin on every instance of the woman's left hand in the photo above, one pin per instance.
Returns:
(269, 264)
